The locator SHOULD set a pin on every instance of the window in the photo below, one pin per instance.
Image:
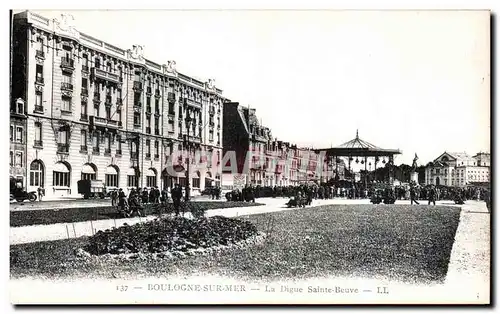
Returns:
(66, 78)
(61, 178)
(137, 119)
(96, 110)
(83, 138)
(151, 181)
(157, 105)
(171, 125)
(39, 73)
(12, 133)
(196, 182)
(66, 104)
(38, 133)
(97, 62)
(137, 76)
(157, 149)
(108, 67)
(84, 108)
(148, 148)
(36, 173)
(39, 44)
(38, 99)
(11, 158)
(148, 121)
(157, 124)
(19, 134)
(148, 103)
(85, 60)
(211, 135)
(119, 94)
(119, 142)
(20, 107)
(108, 143)
(96, 140)
(132, 180)
(137, 99)
(111, 180)
(119, 114)
(108, 112)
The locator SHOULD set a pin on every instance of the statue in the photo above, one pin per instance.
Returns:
(170, 68)
(137, 52)
(414, 164)
(414, 174)
(211, 84)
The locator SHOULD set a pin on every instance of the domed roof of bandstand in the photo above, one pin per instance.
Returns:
(359, 147)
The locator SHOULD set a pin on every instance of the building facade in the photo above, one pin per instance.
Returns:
(17, 161)
(458, 169)
(261, 159)
(96, 111)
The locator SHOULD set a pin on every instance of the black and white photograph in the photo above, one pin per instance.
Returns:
(263, 156)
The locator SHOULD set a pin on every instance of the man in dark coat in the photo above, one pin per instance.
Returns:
(176, 198)
(432, 195)
(413, 195)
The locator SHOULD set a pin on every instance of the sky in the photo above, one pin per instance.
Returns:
(414, 81)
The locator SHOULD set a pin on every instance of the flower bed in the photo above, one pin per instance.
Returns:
(67, 215)
(170, 235)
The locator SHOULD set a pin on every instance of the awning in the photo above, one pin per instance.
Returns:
(60, 167)
(87, 169)
(111, 170)
(131, 172)
(150, 173)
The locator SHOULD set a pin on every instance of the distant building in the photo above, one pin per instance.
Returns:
(458, 169)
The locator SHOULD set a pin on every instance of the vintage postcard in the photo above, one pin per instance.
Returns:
(250, 157)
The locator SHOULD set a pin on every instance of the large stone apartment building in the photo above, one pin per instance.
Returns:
(91, 110)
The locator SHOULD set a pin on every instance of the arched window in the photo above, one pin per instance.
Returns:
(111, 179)
(151, 178)
(132, 177)
(89, 172)
(36, 173)
(61, 175)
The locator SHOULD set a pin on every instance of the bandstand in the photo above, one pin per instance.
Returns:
(364, 153)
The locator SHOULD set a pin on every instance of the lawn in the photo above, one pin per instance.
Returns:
(66, 215)
(397, 242)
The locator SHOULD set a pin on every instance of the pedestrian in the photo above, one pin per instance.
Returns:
(114, 198)
(176, 198)
(40, 193)
(432, 195)
(413, 195)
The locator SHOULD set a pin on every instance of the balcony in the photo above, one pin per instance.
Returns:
(118, 152)
(157, 156)
(137, 86)
(85, 91)
(84, 117)
(95, 150)
(103, 122)
(40, 54)
(85, 68)
(171, 97)
(63, 148)
(157, 131)
(67, 87)
(134, 156)
(38, 143)
(39, 80)
(107, 152)
(148, 155)
(67, 64)
(191, 103)
(148, 130)
(105, 75)
(83, 148)
(38, 109)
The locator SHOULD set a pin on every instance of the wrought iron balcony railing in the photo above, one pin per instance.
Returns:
(62, 148)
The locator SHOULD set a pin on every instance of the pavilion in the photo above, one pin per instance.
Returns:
(361, 151)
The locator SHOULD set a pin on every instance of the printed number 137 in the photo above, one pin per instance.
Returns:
(121, 288)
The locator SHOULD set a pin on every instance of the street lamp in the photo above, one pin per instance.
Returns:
(188, 121)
